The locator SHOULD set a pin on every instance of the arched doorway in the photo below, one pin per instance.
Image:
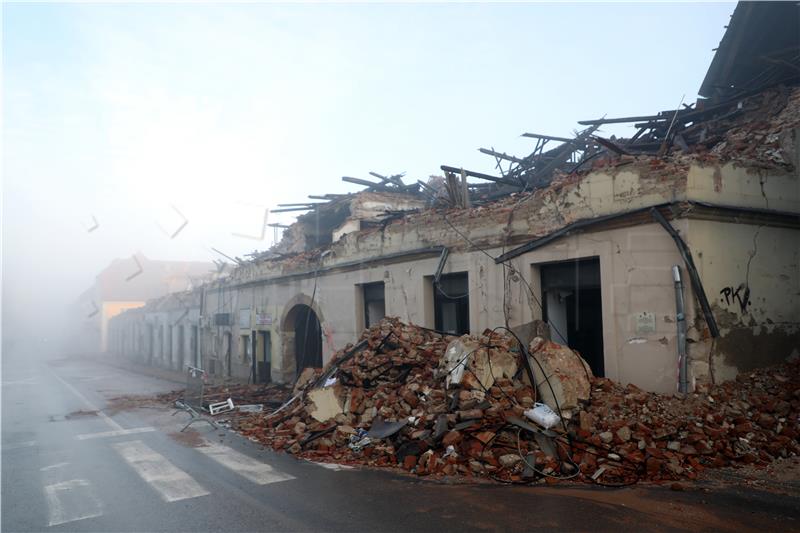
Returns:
(303, 324)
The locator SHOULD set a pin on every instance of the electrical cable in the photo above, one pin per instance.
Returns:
(542, 473)
(449, 297)
(513, 271)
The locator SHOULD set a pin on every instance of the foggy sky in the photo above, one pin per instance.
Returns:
(119, 112)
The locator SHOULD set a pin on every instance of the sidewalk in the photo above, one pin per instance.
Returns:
(165, 374)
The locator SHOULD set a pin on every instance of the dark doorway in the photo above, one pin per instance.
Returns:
(161, 351)
(263, 356)
(451, 303)
(228, 340)
(151, 345)
(181, 347)
(307, 338)
(193, 349)
(374, 303)
(573, 308)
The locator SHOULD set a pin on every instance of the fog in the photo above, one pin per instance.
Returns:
(122, 122)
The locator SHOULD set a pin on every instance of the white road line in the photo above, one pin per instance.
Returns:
(117, 433)
(95, 378)
(75, 491)
(53, 467)
(26, 381)
(89, 404)
(247, 467)
(172, 483)
(17, 445)
(333, 466)
(68, 500)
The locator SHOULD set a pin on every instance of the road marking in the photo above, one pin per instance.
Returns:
(333, 466)
(172, 483)
(89, 404)
(77, 491)
(53, 467)
(68, 500)
(26, 381)
(95, 378)
(247, 467)
(17, 445)
(117, 433)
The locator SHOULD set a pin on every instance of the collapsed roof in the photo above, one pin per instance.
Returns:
(751, 110)
(761, 48)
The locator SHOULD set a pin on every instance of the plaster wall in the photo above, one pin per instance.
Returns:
(637, 291)
(635, 267)
(752, 279)
(744, 187)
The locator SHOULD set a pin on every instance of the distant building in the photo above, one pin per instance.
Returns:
(128, 284)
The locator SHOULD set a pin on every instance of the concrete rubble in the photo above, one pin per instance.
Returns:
(393, 384)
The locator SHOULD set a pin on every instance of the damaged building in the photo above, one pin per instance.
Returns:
(578, 241)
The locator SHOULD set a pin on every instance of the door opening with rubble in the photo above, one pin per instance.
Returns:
(303, 324)
(451, 303)
(572, 306)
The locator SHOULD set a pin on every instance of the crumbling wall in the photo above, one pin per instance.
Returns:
(751, 275)
(638, 298)
(637, 291)
(635, 269)
(739, 186)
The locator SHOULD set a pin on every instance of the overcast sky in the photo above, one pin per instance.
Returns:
(121, 111)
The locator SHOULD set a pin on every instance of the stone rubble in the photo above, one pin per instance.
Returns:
(476, 428)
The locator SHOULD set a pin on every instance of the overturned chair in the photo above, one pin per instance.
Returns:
(192, 401)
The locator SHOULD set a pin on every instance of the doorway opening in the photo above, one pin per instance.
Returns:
(303, 324)
(263, 358)
(572, 306)
(451, 303)
(227, 338)
(193, 348)
(181, 347)
(374, 302)
(151, 345)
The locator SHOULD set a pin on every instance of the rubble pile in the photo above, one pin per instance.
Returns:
(409, 397)
(762, 133)
(750, 420)
(269, 395)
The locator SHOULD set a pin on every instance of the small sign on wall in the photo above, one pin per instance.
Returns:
(263, 319)
(645, 323)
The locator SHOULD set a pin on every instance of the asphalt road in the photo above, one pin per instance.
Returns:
(70, 462)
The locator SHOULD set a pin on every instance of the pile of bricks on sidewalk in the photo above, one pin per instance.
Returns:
(394, 400)
(269, 395)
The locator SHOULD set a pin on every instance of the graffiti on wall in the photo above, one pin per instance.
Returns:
(739, 295)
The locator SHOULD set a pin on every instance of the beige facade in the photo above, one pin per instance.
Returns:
(740, 225)
(580, 237)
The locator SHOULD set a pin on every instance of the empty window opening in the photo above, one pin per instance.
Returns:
(451, 303)
(572, 307)
(374, 303)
